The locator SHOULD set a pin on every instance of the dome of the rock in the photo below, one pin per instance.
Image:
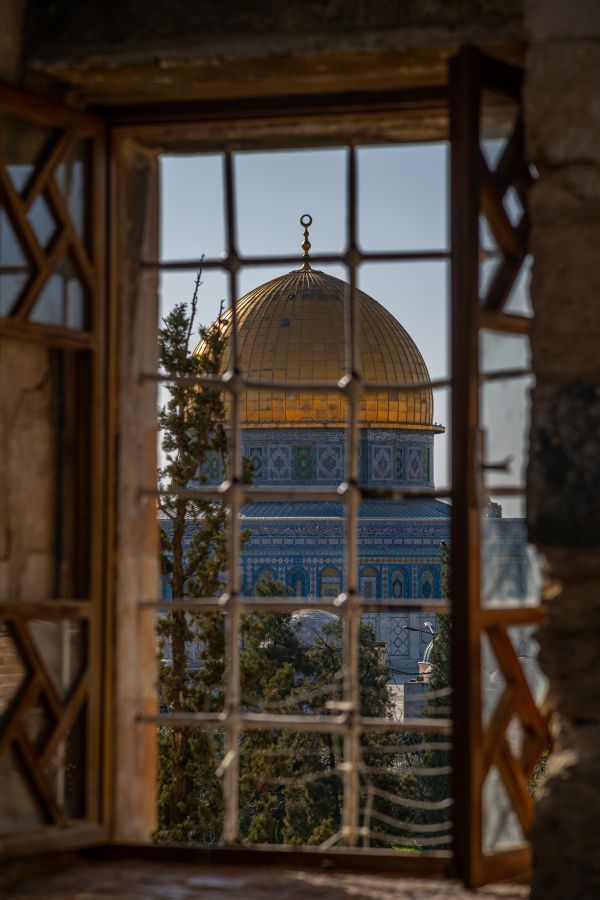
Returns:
(292, 329)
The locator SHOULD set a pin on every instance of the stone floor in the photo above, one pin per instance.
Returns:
(135, 880)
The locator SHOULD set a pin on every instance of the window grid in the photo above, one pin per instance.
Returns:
(349, 604)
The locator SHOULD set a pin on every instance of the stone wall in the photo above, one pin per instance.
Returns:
(563, 128)
(119, 50)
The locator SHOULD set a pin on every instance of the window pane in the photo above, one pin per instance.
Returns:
(402, 197)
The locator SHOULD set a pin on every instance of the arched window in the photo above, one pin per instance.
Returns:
(427, 584)
(264, 574)
(368, 582)
(298, 581)
(398, 586)
(330, 582)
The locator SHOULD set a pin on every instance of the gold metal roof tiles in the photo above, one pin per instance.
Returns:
(292, 329)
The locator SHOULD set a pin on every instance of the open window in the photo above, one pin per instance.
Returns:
(61, 697)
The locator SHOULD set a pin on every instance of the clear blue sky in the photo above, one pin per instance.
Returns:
(402, 206)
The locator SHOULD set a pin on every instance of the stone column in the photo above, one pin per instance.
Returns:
(563, 132)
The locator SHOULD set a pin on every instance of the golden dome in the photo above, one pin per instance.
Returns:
(292, 329)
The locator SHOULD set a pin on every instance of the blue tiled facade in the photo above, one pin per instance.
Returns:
(302, 543)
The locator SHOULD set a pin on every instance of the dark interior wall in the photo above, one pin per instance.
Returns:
(61, 29)
(148, 49)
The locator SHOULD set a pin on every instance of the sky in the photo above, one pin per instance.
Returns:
(402, 205)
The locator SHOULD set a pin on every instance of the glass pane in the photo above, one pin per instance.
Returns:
(14, 268)
(42, 221)
(488, 267)
(61, 645)
(19, 809)
(275, 188)
(501, 827)
(72, 177)
(192, 206)
(190, 795)
(38, 723)
(23, 144)
(402, 197)
(505, 407)
(524, 640)
(499, 350)
(513, 206)
(416, 294)
(178, 287)
(291, 663)
(63, 299)
(290, 787)
(519, 299)
(493, 681)
(12, 669)
(406, 791)
(191, 649)
(66, 770)
(512, 570)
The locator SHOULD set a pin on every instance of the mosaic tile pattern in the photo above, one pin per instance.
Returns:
(279, 463)
(303, 463)
(330, 462)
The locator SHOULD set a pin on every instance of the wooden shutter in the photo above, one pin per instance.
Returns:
(52, 316)
(500, 720)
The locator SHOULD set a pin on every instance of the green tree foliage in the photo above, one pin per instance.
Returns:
(437, 787)
(193, 557)
(290, 783)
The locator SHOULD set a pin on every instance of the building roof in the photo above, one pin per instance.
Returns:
(292, 329)
(369, 509)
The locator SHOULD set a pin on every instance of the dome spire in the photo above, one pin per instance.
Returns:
(306, 222)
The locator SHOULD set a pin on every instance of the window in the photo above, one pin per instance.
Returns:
(68, 317)
(427, 584)
(398, 588)
(264, 574)
(298, 583)
(331, 582)
(368, 582)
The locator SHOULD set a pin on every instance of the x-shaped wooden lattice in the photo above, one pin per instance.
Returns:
(511, 171)
(43, 261)
(62, 715)
(517, 701)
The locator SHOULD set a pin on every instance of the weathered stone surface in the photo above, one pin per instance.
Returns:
(567, 864)
(133, 879)
(566, 194)
(560, 21)
(570, 638)
(562, 103)
(110, 52)
(564, 466)
(563, 120)
(127, 27)
(565, 289)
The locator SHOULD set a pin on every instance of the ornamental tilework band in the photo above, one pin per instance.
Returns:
(381, 463)
(302, 463)
(415, 464)
(329, 462)
(399, 469)
(256, 455)
(279, 463)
